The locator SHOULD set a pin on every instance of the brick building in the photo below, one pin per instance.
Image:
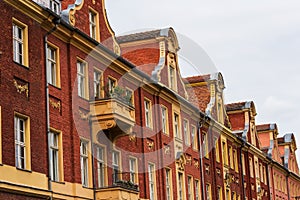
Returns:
(87, 115)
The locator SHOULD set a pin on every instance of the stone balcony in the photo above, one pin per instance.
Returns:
(113, 116)
(116, 193)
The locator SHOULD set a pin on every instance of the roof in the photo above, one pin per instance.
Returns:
(197, 79)
(139, 36)
(266, 127)
(235, 106)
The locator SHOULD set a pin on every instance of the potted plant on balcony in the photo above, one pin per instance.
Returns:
(119, 93)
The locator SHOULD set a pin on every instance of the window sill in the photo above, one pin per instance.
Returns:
(24, 170)
(21, 65)
(56, 87)
(59, 182)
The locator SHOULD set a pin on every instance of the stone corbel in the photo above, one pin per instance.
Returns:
(68, 14)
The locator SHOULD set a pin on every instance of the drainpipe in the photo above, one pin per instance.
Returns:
(287, 185)
(241, 167)
(93, 159)
(56, 21)
(201, 157)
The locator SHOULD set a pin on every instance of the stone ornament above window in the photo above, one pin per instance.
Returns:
(68, 14)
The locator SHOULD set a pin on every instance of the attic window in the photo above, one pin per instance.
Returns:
(172, 78)
(55, 6)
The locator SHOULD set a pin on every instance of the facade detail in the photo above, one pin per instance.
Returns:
(90, 116)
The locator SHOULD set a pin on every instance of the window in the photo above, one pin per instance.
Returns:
(231, 163)
(256, 168)
(116, 166)
(148, 114)
(190, 188)
(111, 86)
(172, 78)
(197, 190)
(151, 172)
(208, 192)
(217, 150)
(97, 84)
(177, 126)
(233, 196)
(205, 145)
(243, 164)
(20, 43)
(180, 186)
(186, 132)
(235, 158)
(133, 170)
(194, 138)
(168, 184)
(219, 193)
(164, 119)
(100, 166)
(55, 6)
(0, 136)
(224, 153)
(53, 66)
(84, 162)
(94, 27)
(54, 156)
(251, 167)
(261, 177)
(129, 96)
(227, 194)
(22, 142)
(82, 79)
(265, 174)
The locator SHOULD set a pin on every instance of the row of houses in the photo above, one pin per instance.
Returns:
(88, 115)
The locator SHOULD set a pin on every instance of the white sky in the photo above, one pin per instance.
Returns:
(255, 44)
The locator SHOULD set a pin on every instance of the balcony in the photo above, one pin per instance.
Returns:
(122, 188)
(113, 116)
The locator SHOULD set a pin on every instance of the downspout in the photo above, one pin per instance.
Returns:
(200, 159)
(56, 22)
(143, 146)
(287, 185)
(241, 168)
(93, 154)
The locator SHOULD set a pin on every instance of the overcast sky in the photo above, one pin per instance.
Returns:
(254, 44)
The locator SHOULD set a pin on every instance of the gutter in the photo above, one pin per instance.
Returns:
(56, 21)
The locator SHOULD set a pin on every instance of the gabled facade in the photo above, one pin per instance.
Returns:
(87, 115)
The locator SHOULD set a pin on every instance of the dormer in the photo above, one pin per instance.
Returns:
(242, 117)
(53, 5)
(206, 93)
(287, 146)
(156, 54)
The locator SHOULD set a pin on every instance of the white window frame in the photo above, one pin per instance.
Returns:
(177, 126)
(168, 183)
(180, 186)
(54, 156)
(20, 142)
(84, 163)
(190, 188)
(194, 138)
(100, 157)
(197, 189)
(148, 113)
(116, 165)
(186, 132)
(82, 79)
(133, 170)
(94, 24)
(152, 181)
(164, 119)
(97, 83)
(55, 6)
(20, 42)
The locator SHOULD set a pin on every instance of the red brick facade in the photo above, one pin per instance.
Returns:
(217, 146)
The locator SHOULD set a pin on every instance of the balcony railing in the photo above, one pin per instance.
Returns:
(121, 188)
